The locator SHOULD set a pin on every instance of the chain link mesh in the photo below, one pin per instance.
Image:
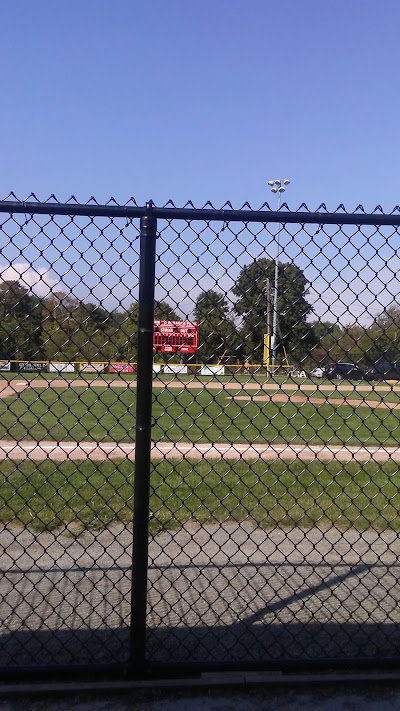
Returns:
(274, 502)
(68, 301)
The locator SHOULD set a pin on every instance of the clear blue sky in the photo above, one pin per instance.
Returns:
(204, 100)
(201, 100)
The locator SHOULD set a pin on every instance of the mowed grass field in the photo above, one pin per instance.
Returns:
(80, 495)
(87, 494)
(103, 414)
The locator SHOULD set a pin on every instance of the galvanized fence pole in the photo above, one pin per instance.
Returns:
(148, 229)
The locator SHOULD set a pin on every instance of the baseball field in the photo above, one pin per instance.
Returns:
(280, 453)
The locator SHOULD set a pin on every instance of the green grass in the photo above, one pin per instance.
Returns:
(93, 495)
(70, 414)
(105, 414)
(44, 495)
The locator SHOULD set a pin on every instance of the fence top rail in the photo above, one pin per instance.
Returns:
(207, 214)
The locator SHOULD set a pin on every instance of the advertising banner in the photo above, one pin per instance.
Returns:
(212, 370)
(90, 367)
(5, 365)
(120, 368)
(60, 368)
(31, 367)
(176, 369)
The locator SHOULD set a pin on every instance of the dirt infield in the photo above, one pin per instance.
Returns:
(11, 387)
(8, 390)
(282, 397)
(212, 385)
(77, 451)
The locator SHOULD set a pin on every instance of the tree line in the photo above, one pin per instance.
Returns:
(231, 326)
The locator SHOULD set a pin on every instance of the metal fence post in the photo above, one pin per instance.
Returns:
(148, 230)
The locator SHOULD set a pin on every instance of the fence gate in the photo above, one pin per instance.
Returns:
(175, 512)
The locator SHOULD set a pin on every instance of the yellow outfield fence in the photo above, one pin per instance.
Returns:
(115, 367)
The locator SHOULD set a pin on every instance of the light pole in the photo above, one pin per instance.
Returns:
(278, 187)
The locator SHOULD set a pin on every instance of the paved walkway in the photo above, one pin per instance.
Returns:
(216, 592)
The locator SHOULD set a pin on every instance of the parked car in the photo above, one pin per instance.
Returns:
(344, 371)
(384, 370)
(318, 372)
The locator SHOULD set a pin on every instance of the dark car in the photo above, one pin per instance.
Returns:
(344, 371)
(384, 370)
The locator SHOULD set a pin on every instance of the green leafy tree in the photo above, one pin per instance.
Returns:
(352, 343)
(320, 329)
(127, 335)
(325, 337)
(94, 333)
(20, 323)
(77, 331)
(385, 335)
(294, 333)
(59, 327)
(217, 332)
(360, 344)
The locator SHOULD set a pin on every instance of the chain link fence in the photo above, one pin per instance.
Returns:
(199, 460)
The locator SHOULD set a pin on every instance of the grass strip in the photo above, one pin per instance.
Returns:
(101, 415)
(93, 495)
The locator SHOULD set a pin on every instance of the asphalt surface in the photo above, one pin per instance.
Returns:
(285, 696)
(223, 592)
(328, 696)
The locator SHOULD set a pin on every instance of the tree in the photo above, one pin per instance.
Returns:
(76, 331)
(294, 333)
(20, 323)
(93, 332)
(58, 326)
(127, 334)
(217, 333)
(320, 329)
(325, 337)
(384, 336)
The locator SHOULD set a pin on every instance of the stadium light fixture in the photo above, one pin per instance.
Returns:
(277, 186)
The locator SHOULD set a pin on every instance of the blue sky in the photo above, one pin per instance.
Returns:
(201, 100)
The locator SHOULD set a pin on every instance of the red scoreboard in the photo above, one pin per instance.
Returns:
(175, 336)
